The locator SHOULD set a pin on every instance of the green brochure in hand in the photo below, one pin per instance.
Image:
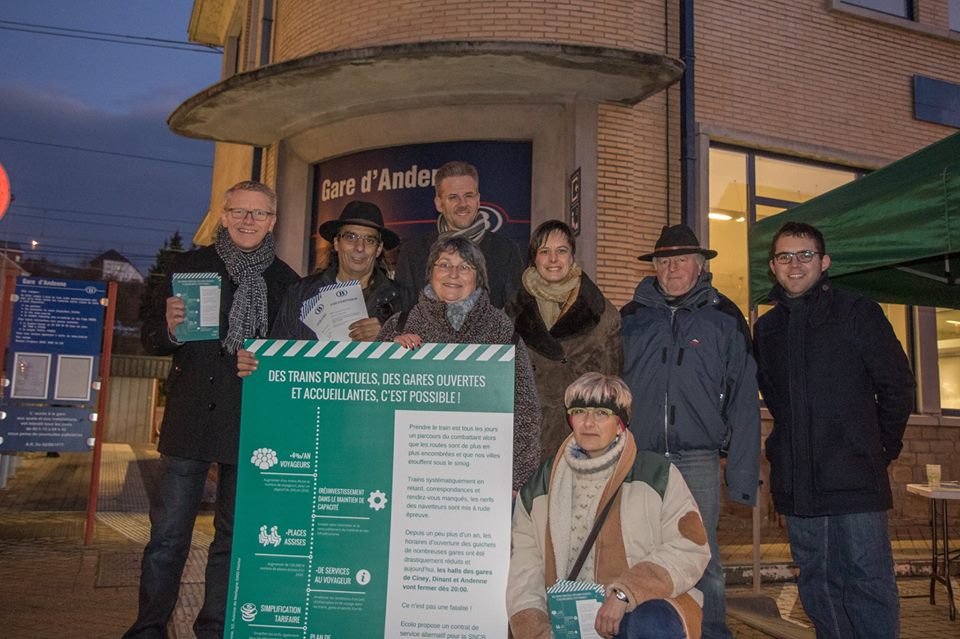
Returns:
(200, 293)
(573, 609)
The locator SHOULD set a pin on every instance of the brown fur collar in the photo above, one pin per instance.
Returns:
(582, 316)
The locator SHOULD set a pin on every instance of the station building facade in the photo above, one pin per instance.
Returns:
(577, 110)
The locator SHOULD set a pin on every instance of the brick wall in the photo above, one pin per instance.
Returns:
(923, 445)
(304, 26)
(792, 69)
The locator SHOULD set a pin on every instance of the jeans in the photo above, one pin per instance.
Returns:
(847, 583)
(172, 516)
(701, 471)
(654, 619)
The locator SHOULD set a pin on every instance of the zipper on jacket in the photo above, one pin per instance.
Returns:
(667, 409)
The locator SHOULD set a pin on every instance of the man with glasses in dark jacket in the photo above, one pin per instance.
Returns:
(201, 423)
(840, 390)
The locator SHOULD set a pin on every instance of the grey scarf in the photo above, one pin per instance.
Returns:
(474, 232)
(456, 311)
(248, 314)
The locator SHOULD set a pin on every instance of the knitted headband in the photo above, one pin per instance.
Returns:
(619, 412)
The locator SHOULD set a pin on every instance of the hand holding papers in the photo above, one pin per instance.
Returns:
(200, 293)
(333, 309)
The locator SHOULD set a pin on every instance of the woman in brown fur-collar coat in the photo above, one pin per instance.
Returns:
(569, 327)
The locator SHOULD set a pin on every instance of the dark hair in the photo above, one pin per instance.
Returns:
(468, 252)
(799, 229)
(543, 232)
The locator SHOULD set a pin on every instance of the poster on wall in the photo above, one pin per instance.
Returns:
(373, 492)
(400, 181)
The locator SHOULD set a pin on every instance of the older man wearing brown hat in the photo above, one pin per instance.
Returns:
(688, 364)
(359, 238)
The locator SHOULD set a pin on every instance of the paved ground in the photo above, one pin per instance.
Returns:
(52, 585)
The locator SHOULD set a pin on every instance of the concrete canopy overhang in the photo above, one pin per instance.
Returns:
(275, 102)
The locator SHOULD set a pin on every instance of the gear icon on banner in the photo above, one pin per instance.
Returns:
(377, 500)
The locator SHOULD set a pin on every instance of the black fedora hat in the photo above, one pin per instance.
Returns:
(678, 239)
(362, 214)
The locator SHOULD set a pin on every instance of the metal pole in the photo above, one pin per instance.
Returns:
(688, 116)
(101, 412)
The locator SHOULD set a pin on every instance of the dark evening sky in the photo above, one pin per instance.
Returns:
(84, 95)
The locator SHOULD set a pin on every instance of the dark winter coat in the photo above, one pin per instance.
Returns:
(504, 265)
(693, 380)
(585, 338)
(383, 297)
(484, 324)
(840, 390)
(202, 417)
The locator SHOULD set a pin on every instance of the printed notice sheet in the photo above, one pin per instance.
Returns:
(333, 309)
(373, 492)
(200, 293)
(573, 609)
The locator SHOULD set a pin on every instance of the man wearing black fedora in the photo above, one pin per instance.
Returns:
(687, 361)
(359, 238)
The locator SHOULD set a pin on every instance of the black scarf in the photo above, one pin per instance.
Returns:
(248, 314)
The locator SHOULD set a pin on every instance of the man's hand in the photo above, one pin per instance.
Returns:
(365, 330)
(408, 340)
(609, 616)
(176, 313)
(246, 363)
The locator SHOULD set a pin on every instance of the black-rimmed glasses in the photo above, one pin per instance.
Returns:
(257, 214)
(803, 257)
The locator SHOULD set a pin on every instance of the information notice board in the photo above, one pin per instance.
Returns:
(373, 492)
(52, 362)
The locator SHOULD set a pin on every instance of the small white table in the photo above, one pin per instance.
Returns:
(940, 555)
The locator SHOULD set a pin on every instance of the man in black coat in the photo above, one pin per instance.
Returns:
(458, 202)
(359, 239)
(201, 423)
(840, 390)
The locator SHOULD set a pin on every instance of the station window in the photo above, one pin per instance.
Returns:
(954, 6)
(901, 8)
(948, 348)
(746, 186)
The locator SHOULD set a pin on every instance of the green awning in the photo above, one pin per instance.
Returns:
(893, 235)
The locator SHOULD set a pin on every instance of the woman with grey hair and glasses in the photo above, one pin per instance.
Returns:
(454, 308)
(602, 512)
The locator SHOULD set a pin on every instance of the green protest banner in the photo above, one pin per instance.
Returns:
(373, 492)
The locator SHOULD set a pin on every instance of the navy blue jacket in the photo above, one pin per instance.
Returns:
(693, 379)
(840, 390)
